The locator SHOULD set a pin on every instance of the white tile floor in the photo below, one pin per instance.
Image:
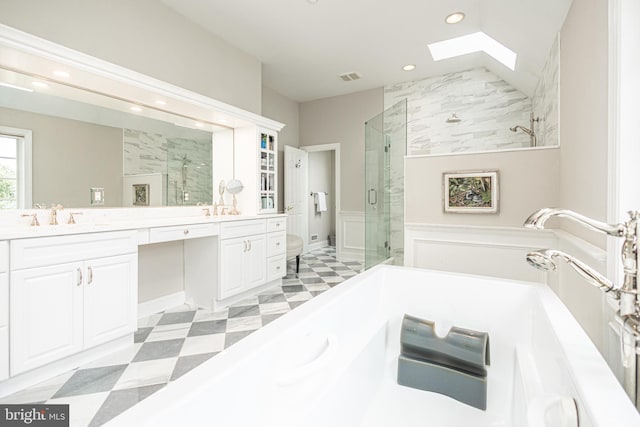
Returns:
(170, 344)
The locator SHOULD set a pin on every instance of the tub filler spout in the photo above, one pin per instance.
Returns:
(628, 313)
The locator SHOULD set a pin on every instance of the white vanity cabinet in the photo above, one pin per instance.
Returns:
(276, 248)
(243, 252)
(247, 255)
(70, 293)
(4, 310)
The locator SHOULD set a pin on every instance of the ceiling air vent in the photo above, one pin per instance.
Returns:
(349, 77)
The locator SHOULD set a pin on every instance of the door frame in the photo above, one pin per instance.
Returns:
(335, 147)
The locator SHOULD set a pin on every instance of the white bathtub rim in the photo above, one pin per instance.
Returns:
(587, 364)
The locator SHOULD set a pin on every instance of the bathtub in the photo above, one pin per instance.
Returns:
(333, 360)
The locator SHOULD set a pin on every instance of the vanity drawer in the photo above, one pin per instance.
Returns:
(232, 229)
(276, 243)
(4, 299)
(276, 267)
(43, 251)
(276, 224)
(180, 232)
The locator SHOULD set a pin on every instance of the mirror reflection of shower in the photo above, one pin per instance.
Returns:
(530, 130)
(185, 196)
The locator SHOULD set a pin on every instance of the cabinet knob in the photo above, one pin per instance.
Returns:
(79, 277)
(278, 224)
(186, 232)
(278, 268)
(277, 243)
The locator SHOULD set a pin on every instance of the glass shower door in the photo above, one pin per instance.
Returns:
(376, 168)
(385, 147)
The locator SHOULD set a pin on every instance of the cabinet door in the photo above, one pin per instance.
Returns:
(110, 298)
(46, 315)
(256, 261)
(232, 266)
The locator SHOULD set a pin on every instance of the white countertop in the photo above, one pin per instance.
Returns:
(102, 220)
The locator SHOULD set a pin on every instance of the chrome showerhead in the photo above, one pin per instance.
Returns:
(514, 129)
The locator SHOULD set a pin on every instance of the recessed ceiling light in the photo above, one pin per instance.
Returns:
(26, 89)
(223, 120)
(136, 109)
(476, 42)
(312, 1)
(409, 67)
(454, 18)
(41, 85)
(199, 124)
(161, 102)
(61, 73)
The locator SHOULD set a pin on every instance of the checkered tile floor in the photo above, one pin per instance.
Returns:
(170, 344)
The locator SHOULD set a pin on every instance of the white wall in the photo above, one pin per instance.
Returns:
(148, 37)
(584, 113)
(321, 178)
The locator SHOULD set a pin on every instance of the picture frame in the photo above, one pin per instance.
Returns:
(140, 194)
(470, 192)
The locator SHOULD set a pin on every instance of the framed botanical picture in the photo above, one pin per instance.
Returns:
(140, 194)
(470, 192)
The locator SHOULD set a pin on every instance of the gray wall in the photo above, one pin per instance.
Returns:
(341, 119)
(527, 181)
(148, 37)
(70, 157)
(287, 111)
(584, 114)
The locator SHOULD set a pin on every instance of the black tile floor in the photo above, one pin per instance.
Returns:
(169, 344)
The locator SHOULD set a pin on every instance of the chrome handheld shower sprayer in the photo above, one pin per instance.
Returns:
(628, 312)
(530, 130)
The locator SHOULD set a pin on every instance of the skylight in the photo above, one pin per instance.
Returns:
(476, 42)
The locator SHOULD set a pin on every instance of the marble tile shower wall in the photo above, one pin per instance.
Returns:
(487, 106)
(545, 98)
(146, 152)
(199, 176)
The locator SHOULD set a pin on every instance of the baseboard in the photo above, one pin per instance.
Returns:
(318, 245)
(166, 302)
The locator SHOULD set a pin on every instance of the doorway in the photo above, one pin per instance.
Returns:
(309, 171)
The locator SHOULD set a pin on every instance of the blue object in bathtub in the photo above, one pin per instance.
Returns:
(454, 365)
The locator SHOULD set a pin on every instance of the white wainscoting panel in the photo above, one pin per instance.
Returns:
(489, 251)
(351, 236)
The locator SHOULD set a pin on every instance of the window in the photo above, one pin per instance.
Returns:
(15, 168)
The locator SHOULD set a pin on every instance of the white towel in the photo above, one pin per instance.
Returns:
(320, 201)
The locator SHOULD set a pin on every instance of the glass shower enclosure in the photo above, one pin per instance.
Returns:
(385, 148)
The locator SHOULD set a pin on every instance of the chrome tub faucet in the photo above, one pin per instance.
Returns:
(628, 312)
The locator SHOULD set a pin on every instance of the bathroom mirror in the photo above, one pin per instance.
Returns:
(82, 140)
